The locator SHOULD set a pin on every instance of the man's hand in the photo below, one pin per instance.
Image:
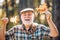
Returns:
(4, 21)
(43, 9)
(48, 15)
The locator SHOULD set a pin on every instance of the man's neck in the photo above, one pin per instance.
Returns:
(27, 26)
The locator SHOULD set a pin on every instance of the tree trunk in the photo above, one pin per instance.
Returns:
(56, 12)
(25, 4)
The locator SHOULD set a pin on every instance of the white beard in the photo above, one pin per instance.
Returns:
(28, 22)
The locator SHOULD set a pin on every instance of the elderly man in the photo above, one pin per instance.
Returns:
(29, 30)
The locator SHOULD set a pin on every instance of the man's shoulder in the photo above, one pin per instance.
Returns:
(18, 26)
(15, 27)
(41, 26)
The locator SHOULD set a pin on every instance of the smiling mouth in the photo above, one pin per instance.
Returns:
(27, 19)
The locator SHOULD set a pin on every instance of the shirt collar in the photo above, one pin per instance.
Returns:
(31, 30)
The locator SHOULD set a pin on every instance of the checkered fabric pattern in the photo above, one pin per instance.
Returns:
(16, 33)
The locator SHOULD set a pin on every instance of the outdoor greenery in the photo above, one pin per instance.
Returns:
(11, 9)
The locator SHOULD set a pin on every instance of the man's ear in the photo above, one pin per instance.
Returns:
(20, 18)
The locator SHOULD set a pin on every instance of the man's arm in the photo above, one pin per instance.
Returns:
(53, 28)
(4, 21)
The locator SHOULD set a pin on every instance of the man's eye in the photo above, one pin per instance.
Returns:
(29, 14)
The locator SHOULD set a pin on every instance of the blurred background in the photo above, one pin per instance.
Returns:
(11, 9)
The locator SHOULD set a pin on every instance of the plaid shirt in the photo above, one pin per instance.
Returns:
(18, 33)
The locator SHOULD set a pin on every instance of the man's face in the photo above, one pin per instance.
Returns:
(27, 17)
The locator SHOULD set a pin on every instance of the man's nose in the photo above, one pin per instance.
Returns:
(27, 14)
